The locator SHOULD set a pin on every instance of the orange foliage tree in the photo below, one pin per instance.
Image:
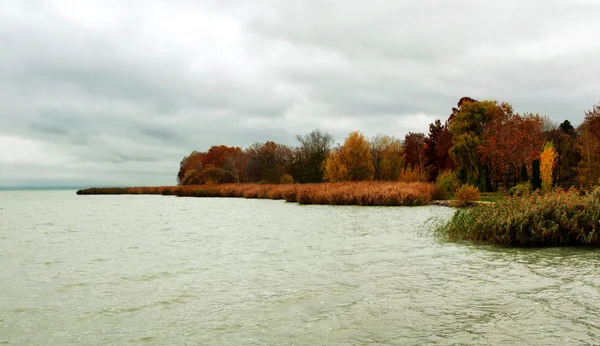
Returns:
(547, 163)
(352, 162)
(510, 140)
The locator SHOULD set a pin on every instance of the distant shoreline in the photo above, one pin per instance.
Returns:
(39, 188)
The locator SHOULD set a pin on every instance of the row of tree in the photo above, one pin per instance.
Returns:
(485, 142)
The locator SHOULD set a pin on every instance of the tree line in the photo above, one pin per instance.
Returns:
(485, 143)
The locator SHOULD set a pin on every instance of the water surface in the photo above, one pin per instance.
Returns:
(160, 270)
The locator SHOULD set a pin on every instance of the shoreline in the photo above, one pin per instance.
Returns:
(347, 193)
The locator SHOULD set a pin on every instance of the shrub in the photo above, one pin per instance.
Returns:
(555, 219)
(445, 185)
(520, 190)
(466, 195)
(410, 175)
(287, 179)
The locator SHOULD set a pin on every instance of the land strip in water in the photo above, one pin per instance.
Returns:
(347, 193)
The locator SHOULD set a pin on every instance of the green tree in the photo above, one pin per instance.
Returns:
(468, 122)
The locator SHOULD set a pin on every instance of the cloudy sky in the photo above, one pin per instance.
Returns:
(117, 91)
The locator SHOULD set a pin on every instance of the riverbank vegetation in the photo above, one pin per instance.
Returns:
(483, 143)
(346, 193)
(557, 218)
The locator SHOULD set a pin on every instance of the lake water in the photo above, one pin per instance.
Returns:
(114, 270)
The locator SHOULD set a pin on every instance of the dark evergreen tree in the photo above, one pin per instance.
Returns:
(536, 180)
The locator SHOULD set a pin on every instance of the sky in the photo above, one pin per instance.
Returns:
(115, 92)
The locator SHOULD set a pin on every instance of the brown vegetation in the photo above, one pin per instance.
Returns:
(347, 193)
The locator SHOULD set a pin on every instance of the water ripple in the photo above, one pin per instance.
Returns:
(78, 270)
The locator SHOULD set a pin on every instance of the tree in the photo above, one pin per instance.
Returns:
(414, 148)
(437, 146)
(352, 162)
(310, 155)
(547, 163)
(387, 155)
(565, 143)
(267, 162)
(588, 145)
(508, 141)
(193, 162)
(466, 126)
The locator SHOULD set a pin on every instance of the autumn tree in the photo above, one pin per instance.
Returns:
(387, 155)
(508, 141)
(267, 162)
(352, 162)
(211, 166)
(564, 138)
(310, 155)
(588, 145)
(190, 169)
(414, 148)
(437, 147)
(547, 163)
(466, 127)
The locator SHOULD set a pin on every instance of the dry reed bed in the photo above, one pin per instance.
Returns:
(349, 193)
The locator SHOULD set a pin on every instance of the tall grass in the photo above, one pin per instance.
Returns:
(347, 193)
(559, 218)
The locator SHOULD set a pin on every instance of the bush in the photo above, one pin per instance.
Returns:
(445, 185)
(520, 190)
(287, 179)
(466, 195)
(555, 219)
(410, 176)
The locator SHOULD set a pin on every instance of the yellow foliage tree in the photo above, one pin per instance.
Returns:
(547, 163)
(352, 162)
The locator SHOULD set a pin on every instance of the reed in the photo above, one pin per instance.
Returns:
(559, 218)
(347, 193)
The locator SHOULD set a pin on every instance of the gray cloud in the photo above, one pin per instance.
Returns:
(112, 92)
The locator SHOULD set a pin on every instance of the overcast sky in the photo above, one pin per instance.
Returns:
(116, 92)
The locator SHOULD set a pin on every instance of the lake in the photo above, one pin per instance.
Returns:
(114, 270)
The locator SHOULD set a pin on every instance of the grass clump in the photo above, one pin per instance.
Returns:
(559, 218)
(520, 190)
(466, 195)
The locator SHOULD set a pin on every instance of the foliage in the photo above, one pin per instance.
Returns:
(588, 145)
(352, 162)
(437, 145)
(520, 190)
(310, 155)
(557, 218)
(467, 127)
(388, 156)
(485, 143)
(414, 148)
(446, 184)
(547, 163)
(411, 175)
(466, 195)
(509, 140)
